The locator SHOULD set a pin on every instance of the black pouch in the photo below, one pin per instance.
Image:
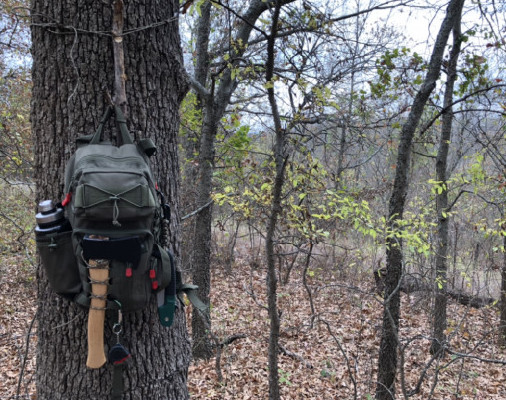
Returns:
(58, 258)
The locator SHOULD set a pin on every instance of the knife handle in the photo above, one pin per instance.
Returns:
(99, 277)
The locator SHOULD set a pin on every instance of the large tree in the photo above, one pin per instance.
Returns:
(72, 64)
(387, 362)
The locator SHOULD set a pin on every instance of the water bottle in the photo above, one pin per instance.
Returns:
(50, 219)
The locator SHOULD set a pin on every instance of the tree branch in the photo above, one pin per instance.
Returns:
(199, 88)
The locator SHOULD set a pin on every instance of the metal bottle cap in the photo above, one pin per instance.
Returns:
(48, 213)
(46, 206)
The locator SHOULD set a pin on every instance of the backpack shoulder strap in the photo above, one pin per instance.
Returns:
(191, 293)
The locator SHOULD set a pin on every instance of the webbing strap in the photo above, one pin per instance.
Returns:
(117, 382)
(191, 293)
(120, 122)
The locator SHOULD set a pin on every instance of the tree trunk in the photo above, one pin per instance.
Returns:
(214, 102)
(72, 63)
(201, 260)
(202, 233)
(280, 162)
(502, 323)
(387, 361)
(441, 285)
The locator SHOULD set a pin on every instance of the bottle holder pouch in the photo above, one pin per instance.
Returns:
(59, 261)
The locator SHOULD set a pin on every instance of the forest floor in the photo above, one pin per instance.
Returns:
(334, 354)
(328, 354)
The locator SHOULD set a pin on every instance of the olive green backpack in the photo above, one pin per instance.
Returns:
(111, 193)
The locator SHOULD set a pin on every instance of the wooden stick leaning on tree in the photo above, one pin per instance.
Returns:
(99, 278)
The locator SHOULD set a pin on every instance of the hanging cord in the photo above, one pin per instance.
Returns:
(76, 70)
(164, 235)
(60, 29)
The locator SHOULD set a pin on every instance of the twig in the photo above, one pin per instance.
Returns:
(232, 338)
(347, 360)
(197, 210)
(306, 286)
(482, 359)
(283, 350)
(25, 357)
(120, 98)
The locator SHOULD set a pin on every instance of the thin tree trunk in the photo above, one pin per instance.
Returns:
(72, 63)
(387, 361)
(280, 162)
(200, 245)
(441, 284)
(202, 344)
(502, 323)
(191, 145)
(347, 121)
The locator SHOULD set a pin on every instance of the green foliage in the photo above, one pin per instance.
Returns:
(438, 187)
(496, 229)
(474, 74)
(190, 113)
(477, 172)
(16, 150)
(194, 6)
(284, 377)
(311, 210)
(397, 70)
(189, 130)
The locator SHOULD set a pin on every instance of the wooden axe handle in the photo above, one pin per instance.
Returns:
(99, 272)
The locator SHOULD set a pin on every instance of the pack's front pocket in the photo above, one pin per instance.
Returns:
(128, 286)
(114, 196)
(58, 258)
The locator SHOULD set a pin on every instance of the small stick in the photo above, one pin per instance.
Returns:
(120, 98)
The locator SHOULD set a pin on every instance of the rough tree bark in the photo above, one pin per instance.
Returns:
(439, 313)
(387, 361)
(72, 63)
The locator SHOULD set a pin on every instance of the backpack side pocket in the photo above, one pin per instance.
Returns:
(59, 261)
